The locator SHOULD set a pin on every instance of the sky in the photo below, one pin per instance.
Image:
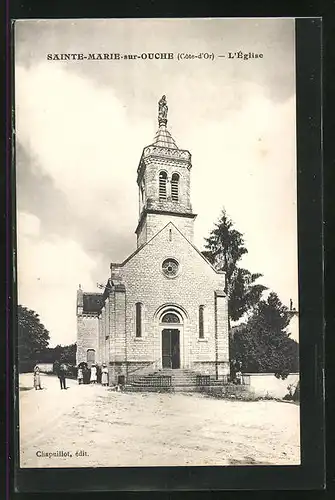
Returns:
(81, 127)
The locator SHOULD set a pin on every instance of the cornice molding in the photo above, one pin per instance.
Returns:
(146, 211)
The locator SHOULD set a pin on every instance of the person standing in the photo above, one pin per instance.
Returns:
(62, 376)
(93, 379)
(86, 374)
(239, 377)
(37, 378)
(80, 376)
(104, 375)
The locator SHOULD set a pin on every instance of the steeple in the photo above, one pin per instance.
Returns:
(163, 178)
(164, 139)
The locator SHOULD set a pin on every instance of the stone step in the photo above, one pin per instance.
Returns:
(181, 378)
(181, 388)
(174, 379)
(174, 383)
(141, 388)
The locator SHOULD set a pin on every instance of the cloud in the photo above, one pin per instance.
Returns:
(78, 134)
(249, 164)
(73, 147)
(49, 272)
(293, 328)
(28, 225)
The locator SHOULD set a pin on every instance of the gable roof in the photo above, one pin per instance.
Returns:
(188, 241)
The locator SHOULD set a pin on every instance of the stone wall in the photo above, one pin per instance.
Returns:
(142, 233)
(45, 367)
(221, 314)
(267, 385)
(195, 285)
(155, 222)
(170, 162)
(153, 166)
(87, 337)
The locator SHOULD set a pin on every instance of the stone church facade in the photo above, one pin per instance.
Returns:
(164, 307)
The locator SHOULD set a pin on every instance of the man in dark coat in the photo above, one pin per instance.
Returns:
(62, 376)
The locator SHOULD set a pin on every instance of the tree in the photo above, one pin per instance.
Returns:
(244, 293)
(224, 249)
(33, 337)
(66, 354)
(263, 344)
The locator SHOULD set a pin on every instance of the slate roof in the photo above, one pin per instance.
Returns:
(92, 302)
(164, 139)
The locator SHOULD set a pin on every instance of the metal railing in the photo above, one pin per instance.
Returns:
(203, 380)
(155, 381)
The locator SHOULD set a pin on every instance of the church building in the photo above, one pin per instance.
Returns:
(164, 307)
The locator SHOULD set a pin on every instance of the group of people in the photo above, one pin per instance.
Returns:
(93, 374)
(84, 375)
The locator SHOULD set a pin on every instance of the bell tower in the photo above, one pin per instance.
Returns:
(163, 178)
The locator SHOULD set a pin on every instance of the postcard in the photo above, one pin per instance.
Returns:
(157, 261)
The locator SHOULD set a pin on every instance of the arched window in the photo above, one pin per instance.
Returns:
(201, 322)
(138, 319)
(90, 356)
(175, 187)
(162, 186)
(170, 317)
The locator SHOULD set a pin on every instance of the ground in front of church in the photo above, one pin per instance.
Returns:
(91, 426)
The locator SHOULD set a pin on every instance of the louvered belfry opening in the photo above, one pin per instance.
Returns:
(162, 186)
(175, 187)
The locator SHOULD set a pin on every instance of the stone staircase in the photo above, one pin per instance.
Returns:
(180, 378)
(169, 380)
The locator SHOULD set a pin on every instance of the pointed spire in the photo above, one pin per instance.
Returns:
(164, 139)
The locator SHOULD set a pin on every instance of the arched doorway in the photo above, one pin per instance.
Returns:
(171, 323)
(90, 357)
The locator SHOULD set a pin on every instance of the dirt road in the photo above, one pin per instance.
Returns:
(93, 426)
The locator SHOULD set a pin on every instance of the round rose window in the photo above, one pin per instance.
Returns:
(170, 268)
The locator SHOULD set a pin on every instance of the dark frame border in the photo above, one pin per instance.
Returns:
(311, 474)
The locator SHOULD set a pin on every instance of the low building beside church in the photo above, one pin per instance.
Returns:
(164, 307)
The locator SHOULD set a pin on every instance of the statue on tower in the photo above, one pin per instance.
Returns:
(162, 111)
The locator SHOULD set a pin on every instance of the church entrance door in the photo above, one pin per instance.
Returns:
(170, 348)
